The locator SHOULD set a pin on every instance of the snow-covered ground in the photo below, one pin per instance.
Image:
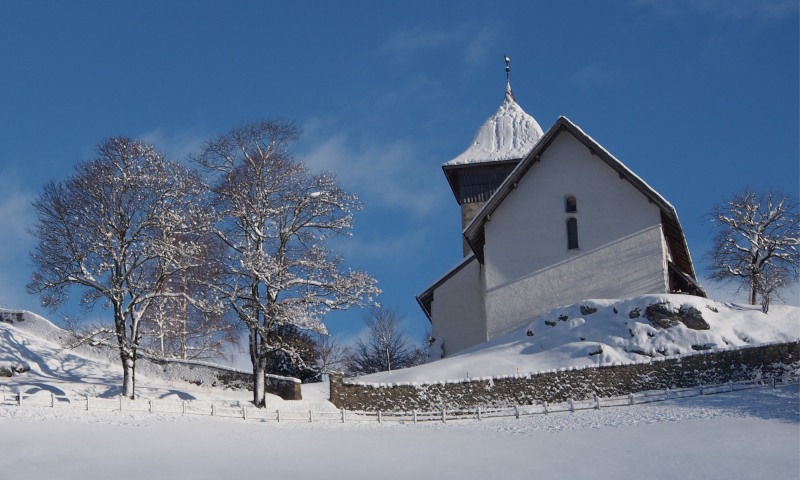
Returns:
(741, 435)
(745, 434)
(75, 374)
(567, 337)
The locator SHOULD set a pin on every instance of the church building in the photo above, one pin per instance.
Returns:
(549, 219)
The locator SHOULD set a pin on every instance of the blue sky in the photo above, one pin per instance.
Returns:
(699, 98)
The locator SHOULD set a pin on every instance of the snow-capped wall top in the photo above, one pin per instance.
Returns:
(509, 134)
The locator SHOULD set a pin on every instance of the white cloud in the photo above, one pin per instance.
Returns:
(474, 40)
(176, 144)
(594, 75)
(394, 247)
(725, 9)
(394, 173)
(16, 216)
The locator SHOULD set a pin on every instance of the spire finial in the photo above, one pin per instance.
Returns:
(509, 93)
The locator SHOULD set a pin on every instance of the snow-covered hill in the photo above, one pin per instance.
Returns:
(603, 332)
(33, 348)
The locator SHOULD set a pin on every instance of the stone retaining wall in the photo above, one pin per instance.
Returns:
(708, 367)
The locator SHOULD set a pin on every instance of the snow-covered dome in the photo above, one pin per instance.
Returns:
(509, 134)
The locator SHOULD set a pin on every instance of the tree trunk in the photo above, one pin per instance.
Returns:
(259, 369)
(128, 370)
(753, 290)
(388, 360)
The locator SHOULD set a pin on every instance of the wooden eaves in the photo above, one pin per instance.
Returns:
(451, 172)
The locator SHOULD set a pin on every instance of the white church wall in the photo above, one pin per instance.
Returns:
(457, 310)
(528, 267)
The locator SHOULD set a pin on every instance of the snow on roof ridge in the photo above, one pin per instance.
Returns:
(563, 369)
(509, 134)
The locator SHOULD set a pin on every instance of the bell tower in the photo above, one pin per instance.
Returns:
(500, 144)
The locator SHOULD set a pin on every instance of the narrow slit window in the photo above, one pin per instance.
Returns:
(572, 205)
(572, 234)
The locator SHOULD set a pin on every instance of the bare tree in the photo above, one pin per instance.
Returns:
(331, 355)
(275, 218)
(175, 328)
(756, 244)
(110, 230)
(385, 347)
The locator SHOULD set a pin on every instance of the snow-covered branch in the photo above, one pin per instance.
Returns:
(757, 245)
(275, 216)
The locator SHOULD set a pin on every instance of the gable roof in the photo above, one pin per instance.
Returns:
(475, 233)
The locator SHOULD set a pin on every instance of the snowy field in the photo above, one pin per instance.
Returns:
(742, 435)
(746, 434)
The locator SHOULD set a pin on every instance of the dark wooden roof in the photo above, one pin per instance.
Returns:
(451, 172)
(475, 234)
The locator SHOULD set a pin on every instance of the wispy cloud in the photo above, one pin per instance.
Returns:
(390, 247)
(176, 144)
(724, 9)
(473, 40)
(596, 75)
(16, 216)
(394, 173)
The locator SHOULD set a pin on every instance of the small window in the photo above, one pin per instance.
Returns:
(572, 234)
(572, 205)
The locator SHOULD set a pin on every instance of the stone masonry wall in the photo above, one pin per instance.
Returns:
(710, 367)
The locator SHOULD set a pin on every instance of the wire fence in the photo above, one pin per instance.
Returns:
(43, 399)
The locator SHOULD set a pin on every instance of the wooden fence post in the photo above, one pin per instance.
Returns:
(52, 400)
(343, 415)
(19, 399)
(571, 405)
(151, 405)
(414, 412)
(87, 402)
(310, 415)
(184, 407)
(516, 411)
(213, 409)
(244, 412)
(479, 413)
(545, 408)
(279, 415)
(380, 420)
(667, 393)
(773, 383)
(633, 402)
(597, 402)
(120, 403)
(444, 415)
